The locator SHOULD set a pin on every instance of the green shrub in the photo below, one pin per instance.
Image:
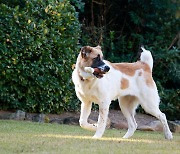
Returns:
(167, 75)
(38, 45)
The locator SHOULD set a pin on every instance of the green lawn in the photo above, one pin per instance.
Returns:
(27, 137)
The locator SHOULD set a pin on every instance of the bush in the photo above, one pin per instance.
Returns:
(167, 74)
(38, 44)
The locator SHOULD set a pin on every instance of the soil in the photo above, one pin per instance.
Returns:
(115, 116)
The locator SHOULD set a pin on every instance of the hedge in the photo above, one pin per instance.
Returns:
(38, 45)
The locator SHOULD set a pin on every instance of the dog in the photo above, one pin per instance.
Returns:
(100, 81)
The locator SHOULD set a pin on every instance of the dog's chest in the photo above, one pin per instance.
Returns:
(88, 91)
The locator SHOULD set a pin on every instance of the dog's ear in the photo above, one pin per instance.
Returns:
(85, 51)
(98, 47)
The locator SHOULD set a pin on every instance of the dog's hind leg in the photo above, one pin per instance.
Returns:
(85, 112)
(151, 106)
(128, 105)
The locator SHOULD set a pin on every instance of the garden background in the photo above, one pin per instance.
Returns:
(40, 40)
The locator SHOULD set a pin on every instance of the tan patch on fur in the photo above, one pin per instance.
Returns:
(95, 52)
(131, 68)
(128, 100)
(92, 52)
(149, 80)
(124, 83)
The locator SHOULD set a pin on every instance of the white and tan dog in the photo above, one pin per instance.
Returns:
(100, 81)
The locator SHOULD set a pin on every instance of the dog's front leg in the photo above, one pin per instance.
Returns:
(85, 112)
(102, 120)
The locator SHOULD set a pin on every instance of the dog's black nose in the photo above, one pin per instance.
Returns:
(106, 68)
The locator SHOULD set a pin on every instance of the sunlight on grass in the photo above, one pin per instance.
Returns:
(101, 139)
(39, 138)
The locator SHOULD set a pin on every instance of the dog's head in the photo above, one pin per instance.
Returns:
(93, 57)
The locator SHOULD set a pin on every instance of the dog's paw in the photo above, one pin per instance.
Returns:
(169, 136)
(125, 137)
(95, 125)
(96, 137)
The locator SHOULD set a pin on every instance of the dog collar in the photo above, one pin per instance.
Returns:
(82, 79)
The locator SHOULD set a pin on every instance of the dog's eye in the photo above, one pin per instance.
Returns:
(97, 58)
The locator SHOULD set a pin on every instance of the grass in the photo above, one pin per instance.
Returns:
(27, 137)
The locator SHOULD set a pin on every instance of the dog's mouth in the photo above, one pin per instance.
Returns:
(98, 73)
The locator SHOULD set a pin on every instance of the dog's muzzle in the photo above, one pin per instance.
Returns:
(99, 67)
(101, 70)
(104, 68)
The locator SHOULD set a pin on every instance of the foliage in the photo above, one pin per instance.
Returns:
(79, 5)
(38, 45)
(167, 75)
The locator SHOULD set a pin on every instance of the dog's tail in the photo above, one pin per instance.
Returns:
(146, 57)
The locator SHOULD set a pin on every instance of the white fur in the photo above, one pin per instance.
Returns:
(103, 91)
(89, 70)
(146, 57)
